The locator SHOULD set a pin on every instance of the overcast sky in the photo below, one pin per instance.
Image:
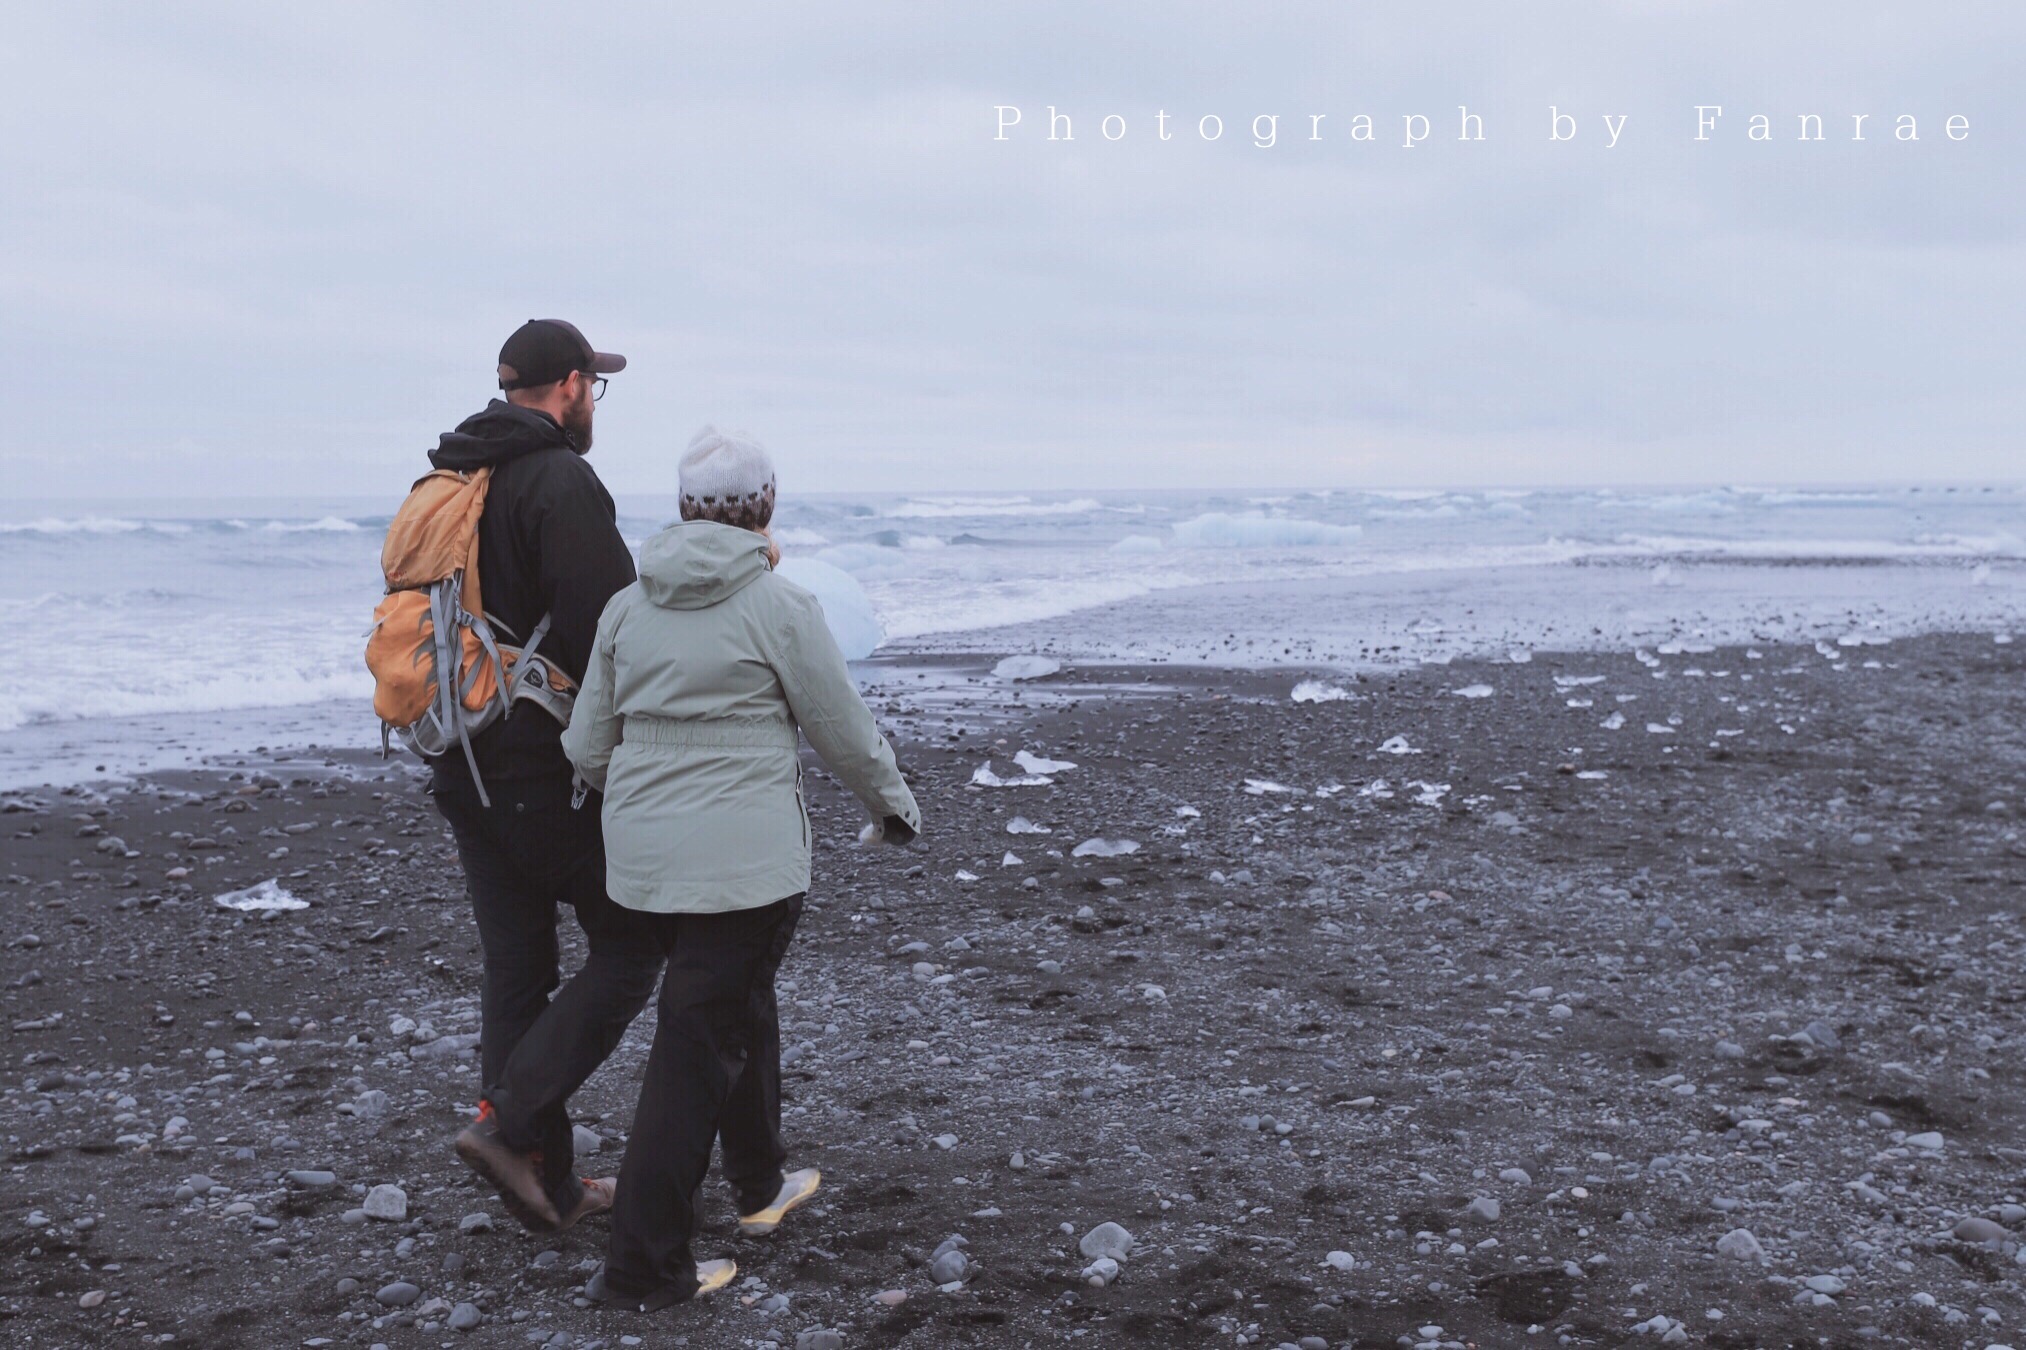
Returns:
(274, 249)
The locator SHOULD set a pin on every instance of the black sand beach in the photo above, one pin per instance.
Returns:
(1525, 1037)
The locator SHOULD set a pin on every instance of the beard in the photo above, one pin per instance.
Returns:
(577, 421)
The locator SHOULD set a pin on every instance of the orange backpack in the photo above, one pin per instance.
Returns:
(433, 621)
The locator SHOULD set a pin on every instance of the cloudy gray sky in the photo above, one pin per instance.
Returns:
(274, 248)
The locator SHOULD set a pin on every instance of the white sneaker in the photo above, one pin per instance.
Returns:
(796, 1187)
(712, 1275)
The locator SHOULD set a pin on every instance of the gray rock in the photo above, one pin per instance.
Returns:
(586, 1141)
(398, 1294)
(347, 1287)
(1740, 1244)
(370, 1104)
(821, 1338)
(479, 1222)
(1516, 1176)
(1825, 1284)
(201, 1184)
(465, 1316)
(389, 1204)
(951, 1265)
(313, 1180)
(444, 1047)
(1729, 1050)
(1823, 1035)
(1484, 1209)
(1107, 1239)
(1979, 1230)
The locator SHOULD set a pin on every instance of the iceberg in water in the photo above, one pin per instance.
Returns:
(846, 608)
(1221, 529)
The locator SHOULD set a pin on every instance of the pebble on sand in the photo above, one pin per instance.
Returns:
(1107, 1239)
(387, 1203)
(1741, 1244)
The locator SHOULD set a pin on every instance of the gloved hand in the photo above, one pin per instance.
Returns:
(892, 830)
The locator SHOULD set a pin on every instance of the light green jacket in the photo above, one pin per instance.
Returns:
(702, 673)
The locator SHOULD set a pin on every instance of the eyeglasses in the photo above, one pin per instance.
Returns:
(597, 383)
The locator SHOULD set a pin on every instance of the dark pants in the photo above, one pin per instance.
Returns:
(714, 1073)
(523, 856)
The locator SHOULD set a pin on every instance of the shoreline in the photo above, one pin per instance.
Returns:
(1322, 1007)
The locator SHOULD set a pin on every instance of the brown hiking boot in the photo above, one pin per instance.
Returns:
(516, 1176)
(597, 1198)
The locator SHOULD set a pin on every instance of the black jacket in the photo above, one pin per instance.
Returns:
(548, 544)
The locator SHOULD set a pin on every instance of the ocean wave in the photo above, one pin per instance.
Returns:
(940, 508)
(74, 525)
(1220, 529)
(326, 525)
(1819, 550)
(226, 690)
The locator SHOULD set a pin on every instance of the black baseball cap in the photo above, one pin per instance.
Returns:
(542, 351)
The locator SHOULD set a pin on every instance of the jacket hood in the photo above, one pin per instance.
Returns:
(501, 432)
(698, 563)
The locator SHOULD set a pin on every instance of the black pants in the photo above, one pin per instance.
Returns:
(714, 1073)
(523, 856)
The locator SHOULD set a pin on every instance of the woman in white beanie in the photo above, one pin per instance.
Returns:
(703, 673)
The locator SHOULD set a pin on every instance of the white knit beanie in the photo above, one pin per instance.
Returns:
(727, 477)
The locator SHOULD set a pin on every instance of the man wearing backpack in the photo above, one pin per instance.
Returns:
(548, 546)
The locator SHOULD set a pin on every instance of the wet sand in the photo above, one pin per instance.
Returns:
(1504, 1034)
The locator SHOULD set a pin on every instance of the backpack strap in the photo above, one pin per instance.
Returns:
(445, 620)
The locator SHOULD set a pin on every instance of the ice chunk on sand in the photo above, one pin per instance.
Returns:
(1022, 825)
(1315, 691)
(1576, 681)
(846, 608)
(1519, 656)
(1010, 860)
(984, 777)
(1026, 667)
(1397, 745)
(1660, 728)
(1429, 794)
(1188, 813)
(1591, 774)
(1614, 721)
(269, 897)
(1260, 787)
(1473, 691)
(1105, 848)
(1035, 764)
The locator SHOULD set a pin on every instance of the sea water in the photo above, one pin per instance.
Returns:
(135, 625)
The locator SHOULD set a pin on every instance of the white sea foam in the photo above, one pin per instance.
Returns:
(794, 537)
(1138, 543)
(327, 525)
(73, 525)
